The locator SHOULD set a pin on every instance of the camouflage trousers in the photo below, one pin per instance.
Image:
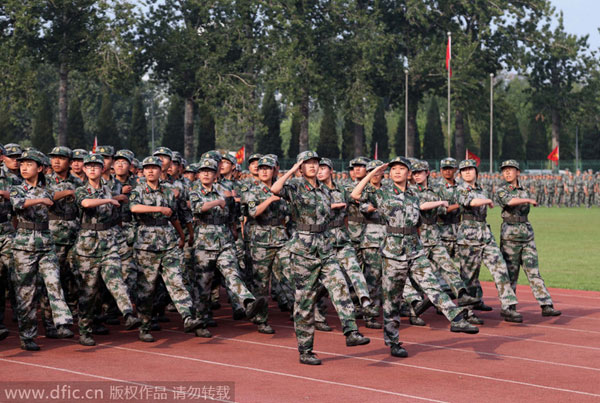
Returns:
(29, 266)
(471, 257)
(395, 273)
(450, 245)
(6, 264)
(373, 265)
(129, 274)
(166, 265)
(68, 282)
(444, 267)
(517, 254)
(307, 273)
(91, 271)
(264, 270)
(352, 271)
(225, 261)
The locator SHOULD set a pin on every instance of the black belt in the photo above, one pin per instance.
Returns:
(337, 223)
(273, 222)
(314, 228)
(62, 217)
(364, 220)
(515, 219)
(158, 222)
(429, 220)
(449, 220)
(471, 217)
(36, 226)
(401, 230)
(211, 221)
(97, 227)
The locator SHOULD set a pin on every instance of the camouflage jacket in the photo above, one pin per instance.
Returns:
(64, 232)
(15, 178)
(355, 229)
(6, 212)
(27, 239)
(340, 236)
(512, 230)
(91, 242)
(449, 221)
(400, 209)
(127, 220)
(429, 229)
(154, 238)
(374, 233)
(262, 230)
(236, 209)
(212, 231)
(309, 205)
(113, 184)
(473, 232)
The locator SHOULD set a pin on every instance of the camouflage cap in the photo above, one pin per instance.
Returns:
(254, 156)
(33, 155)
(327, 162)
(93, 158)
(191, 168)
(106, 151)
(230, 157)
(213, 155)
(359, 161)
(125, 154)
(79, 154)
(162, 151)
(266, 161)
(373, 164)
(420, 166)
(13, 150)
(400, 160)
(208, 163)
(307, 155)
(448, 163)
(61, 151)
(509, 163)
(177, 158)
(136, 163)
(45, 160)
(152, 160)
(273, 157)
(467, 164)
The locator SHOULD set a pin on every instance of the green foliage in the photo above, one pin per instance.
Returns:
(513, 146)
(173, 132)
(42, 137)
(138, 131)
(76, 134)
(348, 138)
(400, 137)
(537, 142)
(379, 134)
(433, 138)
(106, 128)
(8, 131)
(269, 140)
(206, 130)
(328, 135)
(294, 148)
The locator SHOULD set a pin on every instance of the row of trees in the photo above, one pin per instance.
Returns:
(324, 74)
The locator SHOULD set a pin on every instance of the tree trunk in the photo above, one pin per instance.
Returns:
(188, 129)
(359, 139)
(304, 115)
(459, 136)
(555, 128)
(412, 132)
(249, 137)
(63, 87)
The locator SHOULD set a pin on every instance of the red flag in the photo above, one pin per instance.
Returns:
(240, 155)
(553, 156)
(95, 144)
(375, 155)
(472, 156)
(449, 55)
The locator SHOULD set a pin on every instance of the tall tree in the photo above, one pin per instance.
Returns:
(399, 137)
(206, 130)
(138, 131)
(106, 128)
(42, 137)
(433, 138)
(76, 134)
(173, 134)
(379, 135)
(348, 138)
(537, 142)
(513, 146)
(294, 147)
(328, 136)
(8, 131)
(269, 141)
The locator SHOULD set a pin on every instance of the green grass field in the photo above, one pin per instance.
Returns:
(568, 242)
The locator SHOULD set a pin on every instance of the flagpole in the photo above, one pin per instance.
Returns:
(576, 148)
(406, 113)
(491, 121)
(449, 69)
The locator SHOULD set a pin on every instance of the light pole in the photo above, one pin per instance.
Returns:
(491, 121)
(406, 113)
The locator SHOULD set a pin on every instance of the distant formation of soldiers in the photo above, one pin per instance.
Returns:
(95, 236)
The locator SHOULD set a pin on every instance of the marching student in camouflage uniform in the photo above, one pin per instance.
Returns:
(6, 257)
(11, 163)
(97, 251)
(77, 157)
(157, 252)
(312, 257)
(476, 243)
(34, 252)
(214, 248)
(64, 224)
(268, 235)
(517, 239)
(403, 252)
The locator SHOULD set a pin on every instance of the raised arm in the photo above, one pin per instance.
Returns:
(357, 192)
(278, 185)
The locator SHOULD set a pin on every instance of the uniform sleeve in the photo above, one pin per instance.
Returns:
(135, 197)
(251, 201)
(465, 197)
(17, 198)
(184, 213)
(289, 190)
(364, 203)
(503, 197)
(196, 201)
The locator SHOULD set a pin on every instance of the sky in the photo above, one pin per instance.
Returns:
(581, 18)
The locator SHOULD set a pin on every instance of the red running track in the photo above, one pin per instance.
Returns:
(541, 360)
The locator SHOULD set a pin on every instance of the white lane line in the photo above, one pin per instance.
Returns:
(105, 378)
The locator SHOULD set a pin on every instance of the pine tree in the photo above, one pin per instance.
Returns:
(379, 135)
(433, 139)
(537, 142)
(106, 128)
(328, 136)
(76, 135)
(348, 138)
(138, 131)
(269, 141)
(42, 137)
(294, 148)
(206, 130)
(173, 135)
(400, 137)
(512, 140)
